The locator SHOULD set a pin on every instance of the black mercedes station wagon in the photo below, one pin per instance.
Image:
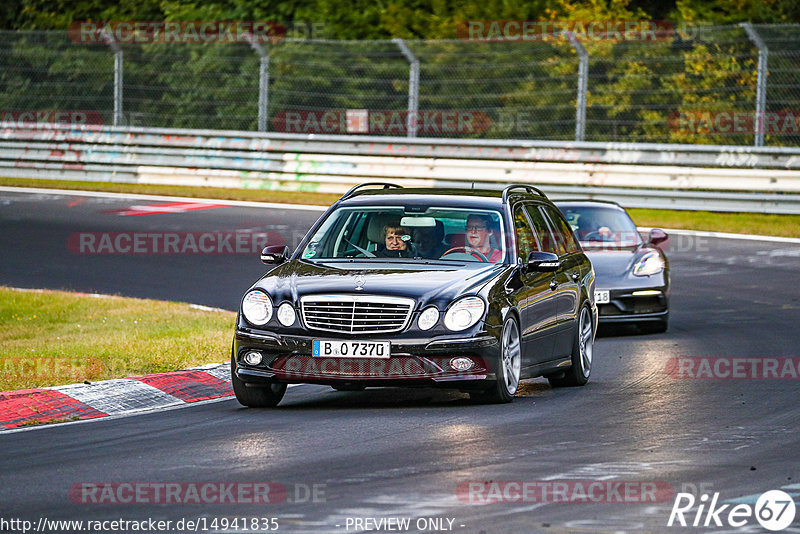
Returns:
(465, 289)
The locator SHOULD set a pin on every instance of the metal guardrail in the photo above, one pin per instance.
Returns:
(719, 178)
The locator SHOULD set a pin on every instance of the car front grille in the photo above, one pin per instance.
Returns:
(356, 314)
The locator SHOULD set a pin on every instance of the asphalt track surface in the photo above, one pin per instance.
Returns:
(403, 453)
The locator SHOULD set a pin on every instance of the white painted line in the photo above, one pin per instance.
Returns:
(137, 196)
(724, 235)
(301, 207)
(104, 296)
(206, 308)
(270, 205)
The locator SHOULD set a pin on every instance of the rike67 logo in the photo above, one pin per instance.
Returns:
(774, 510)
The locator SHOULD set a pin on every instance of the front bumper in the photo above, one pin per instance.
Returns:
(413, 362)
(629, 305)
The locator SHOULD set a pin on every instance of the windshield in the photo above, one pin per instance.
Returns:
(601, 225)
(414, 233)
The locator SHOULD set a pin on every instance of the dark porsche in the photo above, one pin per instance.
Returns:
(632, 272)
(465, 289)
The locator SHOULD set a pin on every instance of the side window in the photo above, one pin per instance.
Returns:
(542, 231)
(563, 230)
(526, 242)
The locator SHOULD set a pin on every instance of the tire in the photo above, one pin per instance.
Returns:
(508, 370)
(267, 396)
(582, 354)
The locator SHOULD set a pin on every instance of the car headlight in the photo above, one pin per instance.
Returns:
(464, 313)
(286, 314)
(257, 307)
(651, 263)
(428, 318)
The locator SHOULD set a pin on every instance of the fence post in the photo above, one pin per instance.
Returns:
(583, 82)
(413, 86)
(761, 82)
(263, 81)
(118, 71)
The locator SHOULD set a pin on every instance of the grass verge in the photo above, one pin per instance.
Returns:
(736, 223)
(50, 338)
(739, 223)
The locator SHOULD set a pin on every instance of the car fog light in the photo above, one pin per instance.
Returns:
(462, 364)
(252, 358)
(646, 293)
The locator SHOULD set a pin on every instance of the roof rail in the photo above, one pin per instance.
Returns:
(353, 190)
(528, 188)
(588, 199)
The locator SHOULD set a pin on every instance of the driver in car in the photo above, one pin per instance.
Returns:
(590, 229)
(479, 238)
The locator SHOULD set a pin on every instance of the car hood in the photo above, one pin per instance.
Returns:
(617, 262)
(435, 282)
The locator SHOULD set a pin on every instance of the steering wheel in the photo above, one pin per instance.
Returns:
(474, 253)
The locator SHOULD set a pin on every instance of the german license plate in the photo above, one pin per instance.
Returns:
(602, 297)
(350, 349)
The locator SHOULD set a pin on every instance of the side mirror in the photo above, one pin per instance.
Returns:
(657, 237)
(545, 262)
(274, 254)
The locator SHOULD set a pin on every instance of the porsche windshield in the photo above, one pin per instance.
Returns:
(458, 234)
(600, 225)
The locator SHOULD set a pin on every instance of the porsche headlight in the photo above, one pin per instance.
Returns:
(286, 314)
(428, 318)
(464, 313)
(257, 307)
(651, 263)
